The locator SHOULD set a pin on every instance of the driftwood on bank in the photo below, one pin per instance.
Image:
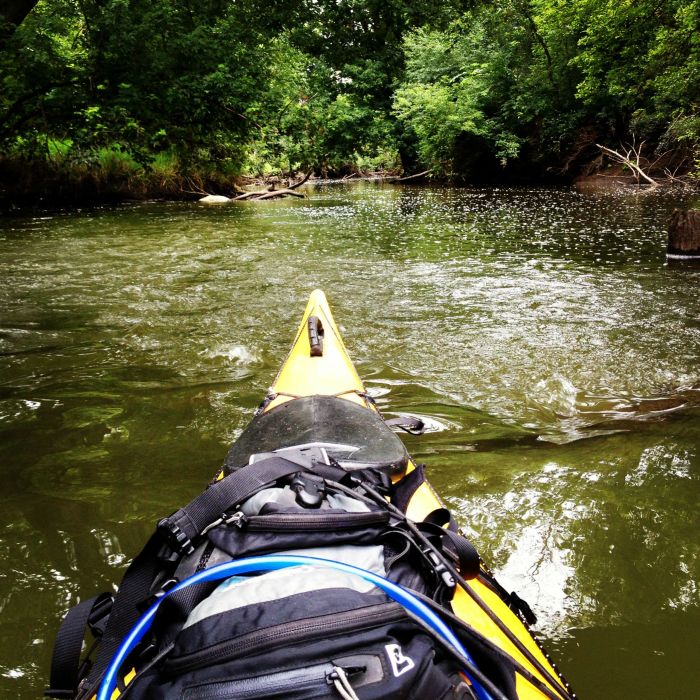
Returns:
(397, 178)
(413, 177)
(271, 192)
(631, 158)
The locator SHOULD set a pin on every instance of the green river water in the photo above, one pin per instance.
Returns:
(540, 332)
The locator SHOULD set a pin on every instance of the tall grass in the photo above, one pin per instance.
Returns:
(58, 172)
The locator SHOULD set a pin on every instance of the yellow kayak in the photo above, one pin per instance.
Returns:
(319, 481)
(332, 373)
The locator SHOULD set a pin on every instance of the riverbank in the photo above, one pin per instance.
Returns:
(105, 179)
(114, 178)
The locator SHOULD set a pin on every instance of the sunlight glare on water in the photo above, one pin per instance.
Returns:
(539, 332)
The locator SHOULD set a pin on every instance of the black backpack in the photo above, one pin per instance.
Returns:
(304, 632)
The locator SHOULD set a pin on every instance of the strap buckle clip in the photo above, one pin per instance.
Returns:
(97, 620)
(440, 569)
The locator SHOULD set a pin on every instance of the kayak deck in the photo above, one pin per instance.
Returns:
(331, 373)
(310, 370)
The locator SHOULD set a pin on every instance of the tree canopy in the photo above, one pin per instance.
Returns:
(469, 90)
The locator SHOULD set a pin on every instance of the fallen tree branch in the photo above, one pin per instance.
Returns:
(408, 177)
(681, 180)
(301, 182)
(626, 159)
(271, 192)
(277, 193)
(411, 177)
(247, 195)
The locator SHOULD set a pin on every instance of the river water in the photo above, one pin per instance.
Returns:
(541, 333)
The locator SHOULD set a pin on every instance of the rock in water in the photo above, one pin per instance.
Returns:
(684, 234)
(214, 199)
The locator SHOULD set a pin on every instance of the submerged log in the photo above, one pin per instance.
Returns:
(684, 234)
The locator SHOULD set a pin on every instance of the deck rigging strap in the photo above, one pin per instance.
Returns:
(183, 526)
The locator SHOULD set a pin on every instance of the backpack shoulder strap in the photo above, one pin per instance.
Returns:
(65, 661)
(175, 536)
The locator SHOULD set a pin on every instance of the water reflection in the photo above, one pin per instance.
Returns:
(539, 332)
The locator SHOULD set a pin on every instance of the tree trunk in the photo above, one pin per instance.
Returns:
(684, 234)
(14, 11)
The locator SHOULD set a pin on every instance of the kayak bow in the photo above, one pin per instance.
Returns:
(310, 370)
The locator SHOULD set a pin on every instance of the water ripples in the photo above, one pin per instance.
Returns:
(537, 332)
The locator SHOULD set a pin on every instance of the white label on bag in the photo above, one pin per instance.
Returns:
(400, 664)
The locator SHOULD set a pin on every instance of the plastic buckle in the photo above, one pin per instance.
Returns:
(177, 540)
(97, 620)
(151, 598)
(165, 587)
(309, 491)
(440, 569)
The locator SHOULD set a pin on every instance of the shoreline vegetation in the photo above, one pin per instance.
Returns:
(106, 101)
(26, 185)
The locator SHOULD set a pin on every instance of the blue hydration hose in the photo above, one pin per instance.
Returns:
(273, 562)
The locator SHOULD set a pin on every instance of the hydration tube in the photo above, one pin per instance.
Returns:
(273, 562)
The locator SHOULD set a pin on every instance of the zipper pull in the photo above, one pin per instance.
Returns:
(339, 679)
(239, 519)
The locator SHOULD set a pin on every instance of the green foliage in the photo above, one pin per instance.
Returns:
(167, 86)
(529, 76)
(451, 89)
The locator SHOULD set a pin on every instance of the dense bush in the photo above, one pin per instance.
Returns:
(488, 89)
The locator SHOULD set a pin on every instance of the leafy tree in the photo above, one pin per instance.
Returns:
(463, 87)
(528, 77)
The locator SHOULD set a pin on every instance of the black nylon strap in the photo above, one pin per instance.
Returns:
(233, 489)
(517, 604)
(190, 521)
(451, 540)
(65, 661)
(402, 491)
(409, 424)
(133, 589)
(176, 607)
(442, 517)
(469, 560)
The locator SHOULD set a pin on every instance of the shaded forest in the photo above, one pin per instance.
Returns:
(170, 95)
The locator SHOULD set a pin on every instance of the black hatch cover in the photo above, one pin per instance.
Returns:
(355, 436)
